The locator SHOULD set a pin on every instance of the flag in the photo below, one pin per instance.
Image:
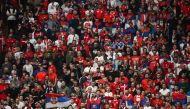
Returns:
(57, 100)
(188, 97)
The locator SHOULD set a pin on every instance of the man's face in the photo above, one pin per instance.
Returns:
(41, 68)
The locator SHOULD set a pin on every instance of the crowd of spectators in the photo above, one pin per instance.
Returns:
(103, 54)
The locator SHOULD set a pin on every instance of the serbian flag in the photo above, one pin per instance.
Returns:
(57, 100)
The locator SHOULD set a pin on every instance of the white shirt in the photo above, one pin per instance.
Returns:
(65, 8)
(18, 54)
(7, 107)
(28, 68)
(188, 66)
(100, 59)
(87, 12)
(32, 41)
(58, 43)
(114, 55)
(177, 68)
(52, 7)
(113, 3)
(88, 69)
(20, 105)
(101, 68)
(95, 66)
(31, 19)
(72, 37)
(59, 84)
(108, 53)
(42, 46)
(164, 91)
(147, 107)
(94, 89)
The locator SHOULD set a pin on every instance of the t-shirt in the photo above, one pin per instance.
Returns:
(115, 104)
(2, 88)
(99, 13)
(88, 24)
(41, 77)
(52, 7)
(164, 91)
(52, 77)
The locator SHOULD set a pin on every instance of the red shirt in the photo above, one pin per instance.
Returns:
(115, 104)
(97, 25)
(86, 84)
(53, 68)
(38, 34)
(22, 42)
(157, 81)
(42, 18)
(186, 80)
(2, 88)
(41, 77)
(114, 13)
(127, 97)
(55, 49)
(182, 96)
(165, 64)
(70, 16)
(129, 16)
(114, 86)
(175, 95)
(45, 3)
(95, 100)
(39, 54)
(80, 59)
(108, 19)
(106, 39)
(10, 41)
(102, 34)
(124, 78)
(145, 84)
(123, 7)
(157, 102)
(86, 38)
(52, 77)
(152, 65)
(99, 13)
(82, 13)
(139, 41)
(87, 49)
(63, 23)
(76, 100)
(29, 55)
(186, 9)
(135, 59)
